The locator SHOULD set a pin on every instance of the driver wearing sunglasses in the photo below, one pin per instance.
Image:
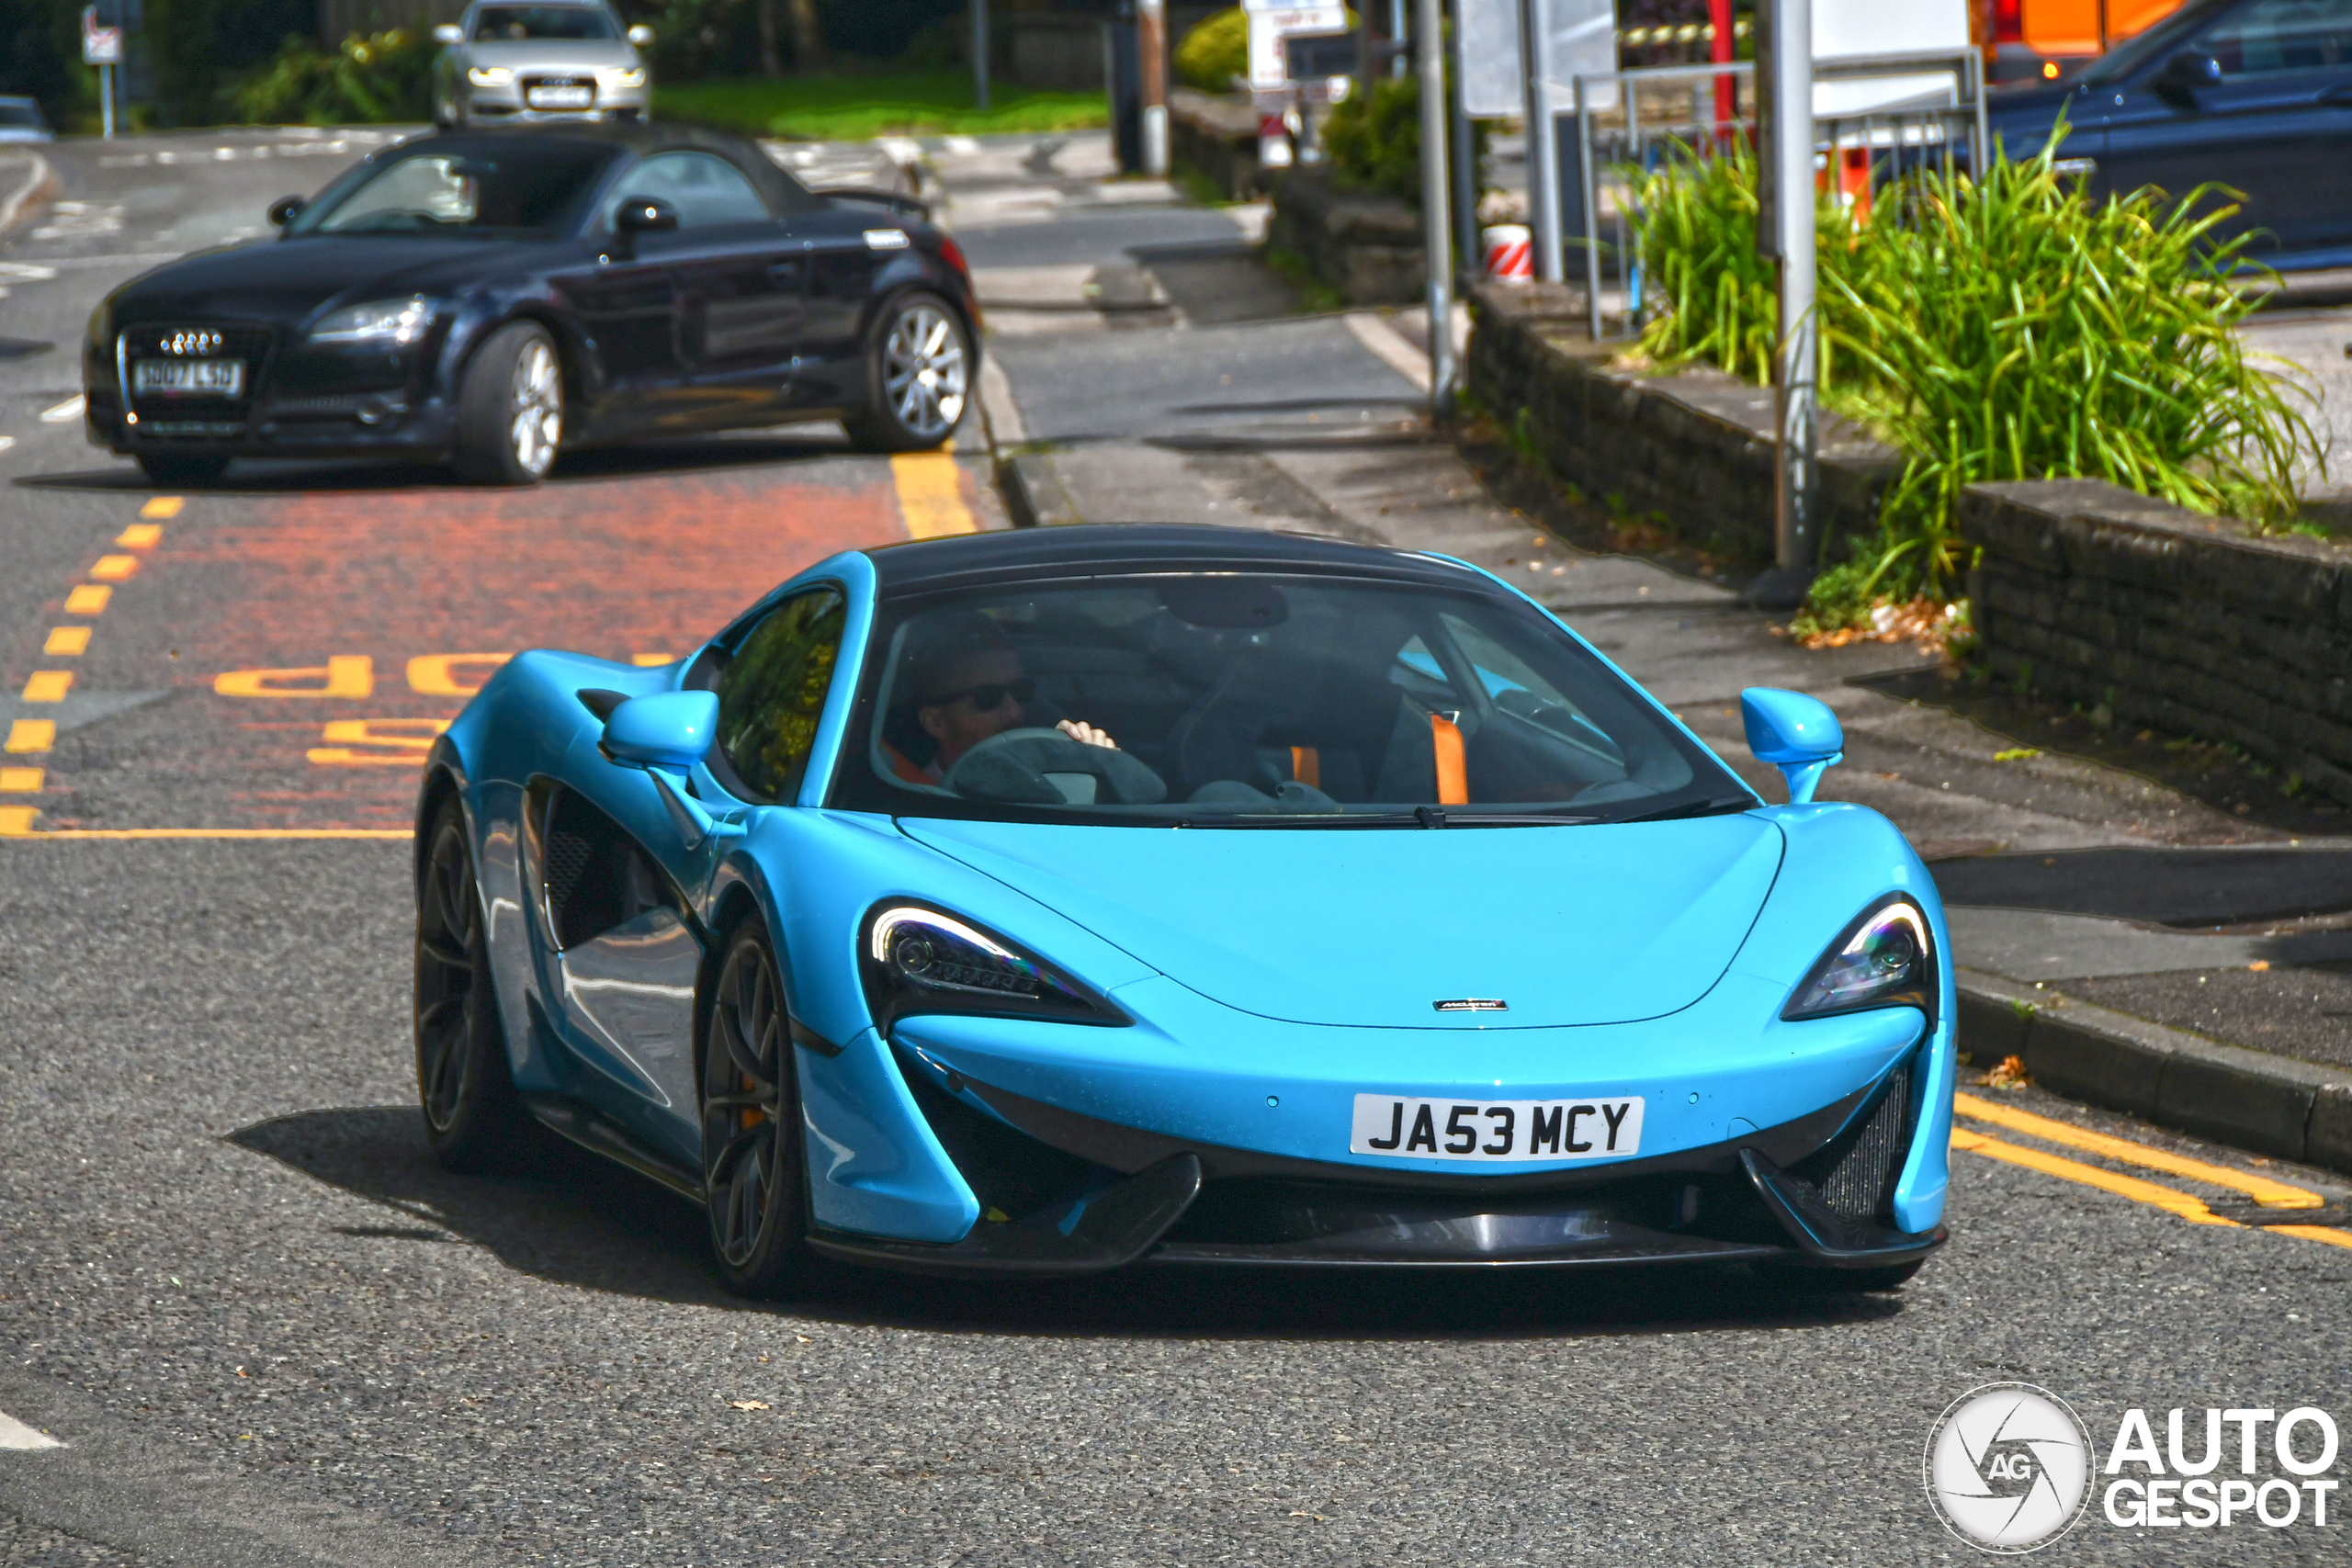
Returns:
(968, 686)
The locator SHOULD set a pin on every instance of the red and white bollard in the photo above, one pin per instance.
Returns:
(1510, 252)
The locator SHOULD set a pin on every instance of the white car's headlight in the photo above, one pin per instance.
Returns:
(1885, 959)
(621, 77)
(488, 76)
(381, 324)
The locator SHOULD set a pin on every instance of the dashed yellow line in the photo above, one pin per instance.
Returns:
(47, 685)
(141, 536)
(164, 506)
(31, 735)
(87, 598)
(20, 781)
(2261, 1189)
(931, 495)
(114, 569)
(67, 642)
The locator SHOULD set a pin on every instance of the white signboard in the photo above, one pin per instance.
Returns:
(1582, 41)
(1269, 25)
(1843, 29)
(1487, 60)
(102, 46)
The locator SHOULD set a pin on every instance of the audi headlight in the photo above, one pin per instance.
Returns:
(918, 959)
(1885, 959)
(382, 323)
(488, 76)
(621, 78)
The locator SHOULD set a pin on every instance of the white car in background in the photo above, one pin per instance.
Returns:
(21, 120)
(510, 61)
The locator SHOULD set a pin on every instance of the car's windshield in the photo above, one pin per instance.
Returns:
(502, 24)
(20, 114)
(450, 187)
(1222, 699)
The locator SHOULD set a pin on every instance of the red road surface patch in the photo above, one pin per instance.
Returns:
(624, 568)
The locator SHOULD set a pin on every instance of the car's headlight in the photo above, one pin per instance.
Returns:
(381, 324)
(488, 76)
(1885, 959)
(918, 960)
(621, 78)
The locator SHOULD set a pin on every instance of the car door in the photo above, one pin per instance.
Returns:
(740, 272)
(618, 886)
(2259, 100)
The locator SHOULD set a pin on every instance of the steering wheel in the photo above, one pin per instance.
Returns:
(1014, 766)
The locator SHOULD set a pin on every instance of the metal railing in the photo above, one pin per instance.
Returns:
(1859, 154)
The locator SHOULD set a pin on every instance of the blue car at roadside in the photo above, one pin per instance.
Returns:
(1048, 902)
(2254, 95)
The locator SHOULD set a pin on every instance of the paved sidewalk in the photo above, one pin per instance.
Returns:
(2061, 871)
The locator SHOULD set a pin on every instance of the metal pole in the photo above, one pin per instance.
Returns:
(1466, 168)
(105, 98)
(1590, 204)
(1719, 50)
(1397, 35)
(1429, 40)
(1543, 148)
(1151, 45)
(980, 55)
(1784, 77)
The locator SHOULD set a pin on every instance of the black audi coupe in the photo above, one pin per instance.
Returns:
(493, 298)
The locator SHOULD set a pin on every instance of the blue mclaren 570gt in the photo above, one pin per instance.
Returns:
(1047, 902)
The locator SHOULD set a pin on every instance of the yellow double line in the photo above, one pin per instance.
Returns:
(2270, 1195)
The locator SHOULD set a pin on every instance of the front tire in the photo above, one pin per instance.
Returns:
(510, 408)
(181, 471)
(753, 1173)
(919, 376)
(472, 1117)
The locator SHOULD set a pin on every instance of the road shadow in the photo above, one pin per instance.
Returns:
(796, 444)
(566, 1216)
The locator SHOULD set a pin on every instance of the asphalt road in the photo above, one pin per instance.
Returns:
(267, 1329)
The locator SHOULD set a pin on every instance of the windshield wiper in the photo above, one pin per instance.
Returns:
(1717, 805)
(1453, 817)
(1421, 816)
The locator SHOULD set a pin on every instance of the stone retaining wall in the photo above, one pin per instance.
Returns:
(1692, 449)
(1216, 136)
(1368, 247)
(2172, 618)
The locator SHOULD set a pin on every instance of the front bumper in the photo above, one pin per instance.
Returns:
(1059, 1149)
(508, 105)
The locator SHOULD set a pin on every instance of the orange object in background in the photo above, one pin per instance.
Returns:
(2075, 28)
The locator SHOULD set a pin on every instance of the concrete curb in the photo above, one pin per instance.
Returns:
(1034, 493)
(2250, 1100)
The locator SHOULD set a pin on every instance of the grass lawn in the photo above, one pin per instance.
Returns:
(852, 107)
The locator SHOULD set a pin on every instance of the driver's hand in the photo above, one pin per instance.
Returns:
(1086, 734)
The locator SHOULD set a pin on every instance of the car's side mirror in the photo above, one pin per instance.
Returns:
(644, 215)
(666, 733)
(1795, 733)
(447, 33)
(2192, 68)
(640, 37)
(282, 211)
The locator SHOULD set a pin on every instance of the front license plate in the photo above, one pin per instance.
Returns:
(189, 378)
(1496, 1132)
(562, 97)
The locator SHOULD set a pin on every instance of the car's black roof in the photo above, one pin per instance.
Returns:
(638, 135)
(975, 559)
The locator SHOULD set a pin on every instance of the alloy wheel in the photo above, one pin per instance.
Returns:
(745, 1136)
(445, 979)
(924, 373)
(538, 408)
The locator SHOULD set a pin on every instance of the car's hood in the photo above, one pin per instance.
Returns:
(285, 280)
(551, 55)
(1374, 928)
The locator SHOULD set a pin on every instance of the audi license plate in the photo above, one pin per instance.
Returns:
(560, 98)
(187, 378)
(1496, 1132)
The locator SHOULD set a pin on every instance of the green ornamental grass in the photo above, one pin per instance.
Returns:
(2012, 328)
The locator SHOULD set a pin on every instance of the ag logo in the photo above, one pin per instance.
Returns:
(2008, 1467)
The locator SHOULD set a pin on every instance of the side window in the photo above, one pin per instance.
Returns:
(705, 189)
(2271, 37)
(771, 693)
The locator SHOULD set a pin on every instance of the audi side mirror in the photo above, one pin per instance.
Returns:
(640, 37)
(282, 211)
(449, 33)
(2190, 68)
(1795, 733)
(645, 215)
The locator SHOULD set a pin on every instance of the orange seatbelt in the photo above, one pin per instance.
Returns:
(1453, 767)
(1307, 766)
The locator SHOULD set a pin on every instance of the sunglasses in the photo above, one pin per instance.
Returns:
(988, 696)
